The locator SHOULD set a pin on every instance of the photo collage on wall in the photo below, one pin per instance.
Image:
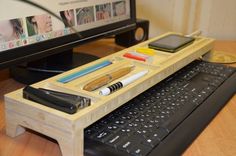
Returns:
(32, 29)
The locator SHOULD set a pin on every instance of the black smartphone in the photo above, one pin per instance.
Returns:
(171, 43)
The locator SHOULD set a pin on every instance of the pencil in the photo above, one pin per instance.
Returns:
(83, 72)
(107, 78)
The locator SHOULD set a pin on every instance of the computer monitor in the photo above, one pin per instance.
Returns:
(47, 31)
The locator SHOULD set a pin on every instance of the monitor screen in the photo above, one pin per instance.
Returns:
(30, 32)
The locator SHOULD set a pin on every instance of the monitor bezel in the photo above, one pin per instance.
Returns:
(53, 46)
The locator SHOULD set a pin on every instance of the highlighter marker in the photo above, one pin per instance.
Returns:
(146, 51)
(139, 58)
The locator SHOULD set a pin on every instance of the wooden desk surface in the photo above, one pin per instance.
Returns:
(218, 139)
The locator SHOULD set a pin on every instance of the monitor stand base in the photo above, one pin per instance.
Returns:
(45, 68)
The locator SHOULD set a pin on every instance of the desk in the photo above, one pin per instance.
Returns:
(219, 138)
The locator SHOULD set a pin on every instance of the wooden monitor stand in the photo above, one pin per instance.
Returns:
(68, 129)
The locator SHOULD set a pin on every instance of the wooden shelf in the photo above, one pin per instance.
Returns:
(68, 129)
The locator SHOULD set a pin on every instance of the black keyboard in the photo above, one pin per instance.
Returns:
(166, 118)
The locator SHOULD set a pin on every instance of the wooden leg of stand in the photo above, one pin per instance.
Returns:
(13, 128)
(73, 145)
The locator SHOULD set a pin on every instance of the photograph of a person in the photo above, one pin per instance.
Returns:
(68, 18)
(119, 8)
(103, 11)
(39, 24)
(11, 30)
(85, 15)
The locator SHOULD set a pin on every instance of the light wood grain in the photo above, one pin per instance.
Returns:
(31, 143)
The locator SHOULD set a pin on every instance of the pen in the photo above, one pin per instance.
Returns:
(101, 81)
(83, 72)
(123, 83)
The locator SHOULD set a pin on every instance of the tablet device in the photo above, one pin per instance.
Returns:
(171, 43)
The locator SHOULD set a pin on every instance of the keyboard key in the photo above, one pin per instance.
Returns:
(113, 128)
(160, 133)
(152, 142)
(140, 150)
(102, 136)
(130, 142)
(116, 138)
(126, 145)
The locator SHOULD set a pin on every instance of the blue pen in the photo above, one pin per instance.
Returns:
(83, 72)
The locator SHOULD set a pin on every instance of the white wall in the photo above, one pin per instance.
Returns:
(218, 18)
(215, 18)
(159, 12)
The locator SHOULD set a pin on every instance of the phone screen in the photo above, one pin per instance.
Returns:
(171, 43)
